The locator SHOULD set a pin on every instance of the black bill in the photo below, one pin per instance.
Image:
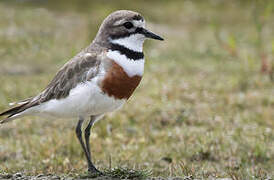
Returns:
(151, 35)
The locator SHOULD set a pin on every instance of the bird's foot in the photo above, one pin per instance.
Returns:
(94, 171)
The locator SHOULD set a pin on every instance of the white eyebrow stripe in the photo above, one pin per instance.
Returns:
(119, 22)
(136, 23)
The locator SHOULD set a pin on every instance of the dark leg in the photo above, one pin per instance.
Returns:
(91, 167)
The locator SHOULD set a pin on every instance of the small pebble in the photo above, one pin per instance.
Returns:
(17, 175)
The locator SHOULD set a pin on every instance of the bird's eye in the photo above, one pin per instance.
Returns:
(128, 25)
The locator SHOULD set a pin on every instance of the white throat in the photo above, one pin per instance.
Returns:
(130, 66)
(133, 42)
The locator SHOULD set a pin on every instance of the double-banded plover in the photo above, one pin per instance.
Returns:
(97, 80)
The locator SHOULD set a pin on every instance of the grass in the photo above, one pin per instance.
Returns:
(204, 108)
(126, 173)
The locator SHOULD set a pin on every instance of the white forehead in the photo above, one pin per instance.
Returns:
(139, 23)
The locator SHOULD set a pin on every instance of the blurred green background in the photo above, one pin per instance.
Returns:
(204, 108)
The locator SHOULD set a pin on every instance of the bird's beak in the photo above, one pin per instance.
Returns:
(151, 35)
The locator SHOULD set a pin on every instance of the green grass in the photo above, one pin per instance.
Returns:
(204, 108)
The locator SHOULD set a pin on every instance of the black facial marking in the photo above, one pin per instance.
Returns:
(139, 30)
(127, 52)
(127, 34)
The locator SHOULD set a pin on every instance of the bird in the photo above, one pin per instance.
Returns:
(96, 81)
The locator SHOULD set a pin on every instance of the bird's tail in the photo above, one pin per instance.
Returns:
(14, 112)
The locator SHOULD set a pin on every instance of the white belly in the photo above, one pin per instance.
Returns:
(84, 100)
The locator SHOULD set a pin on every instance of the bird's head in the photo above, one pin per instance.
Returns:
(125, 28)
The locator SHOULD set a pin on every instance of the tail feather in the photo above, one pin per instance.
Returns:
(9, 119)
(12, 113)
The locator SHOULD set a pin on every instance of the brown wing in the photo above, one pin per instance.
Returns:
(81, 68)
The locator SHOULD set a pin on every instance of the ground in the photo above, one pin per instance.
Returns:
(204, 108)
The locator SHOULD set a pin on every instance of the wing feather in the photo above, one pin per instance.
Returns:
(77, 70)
